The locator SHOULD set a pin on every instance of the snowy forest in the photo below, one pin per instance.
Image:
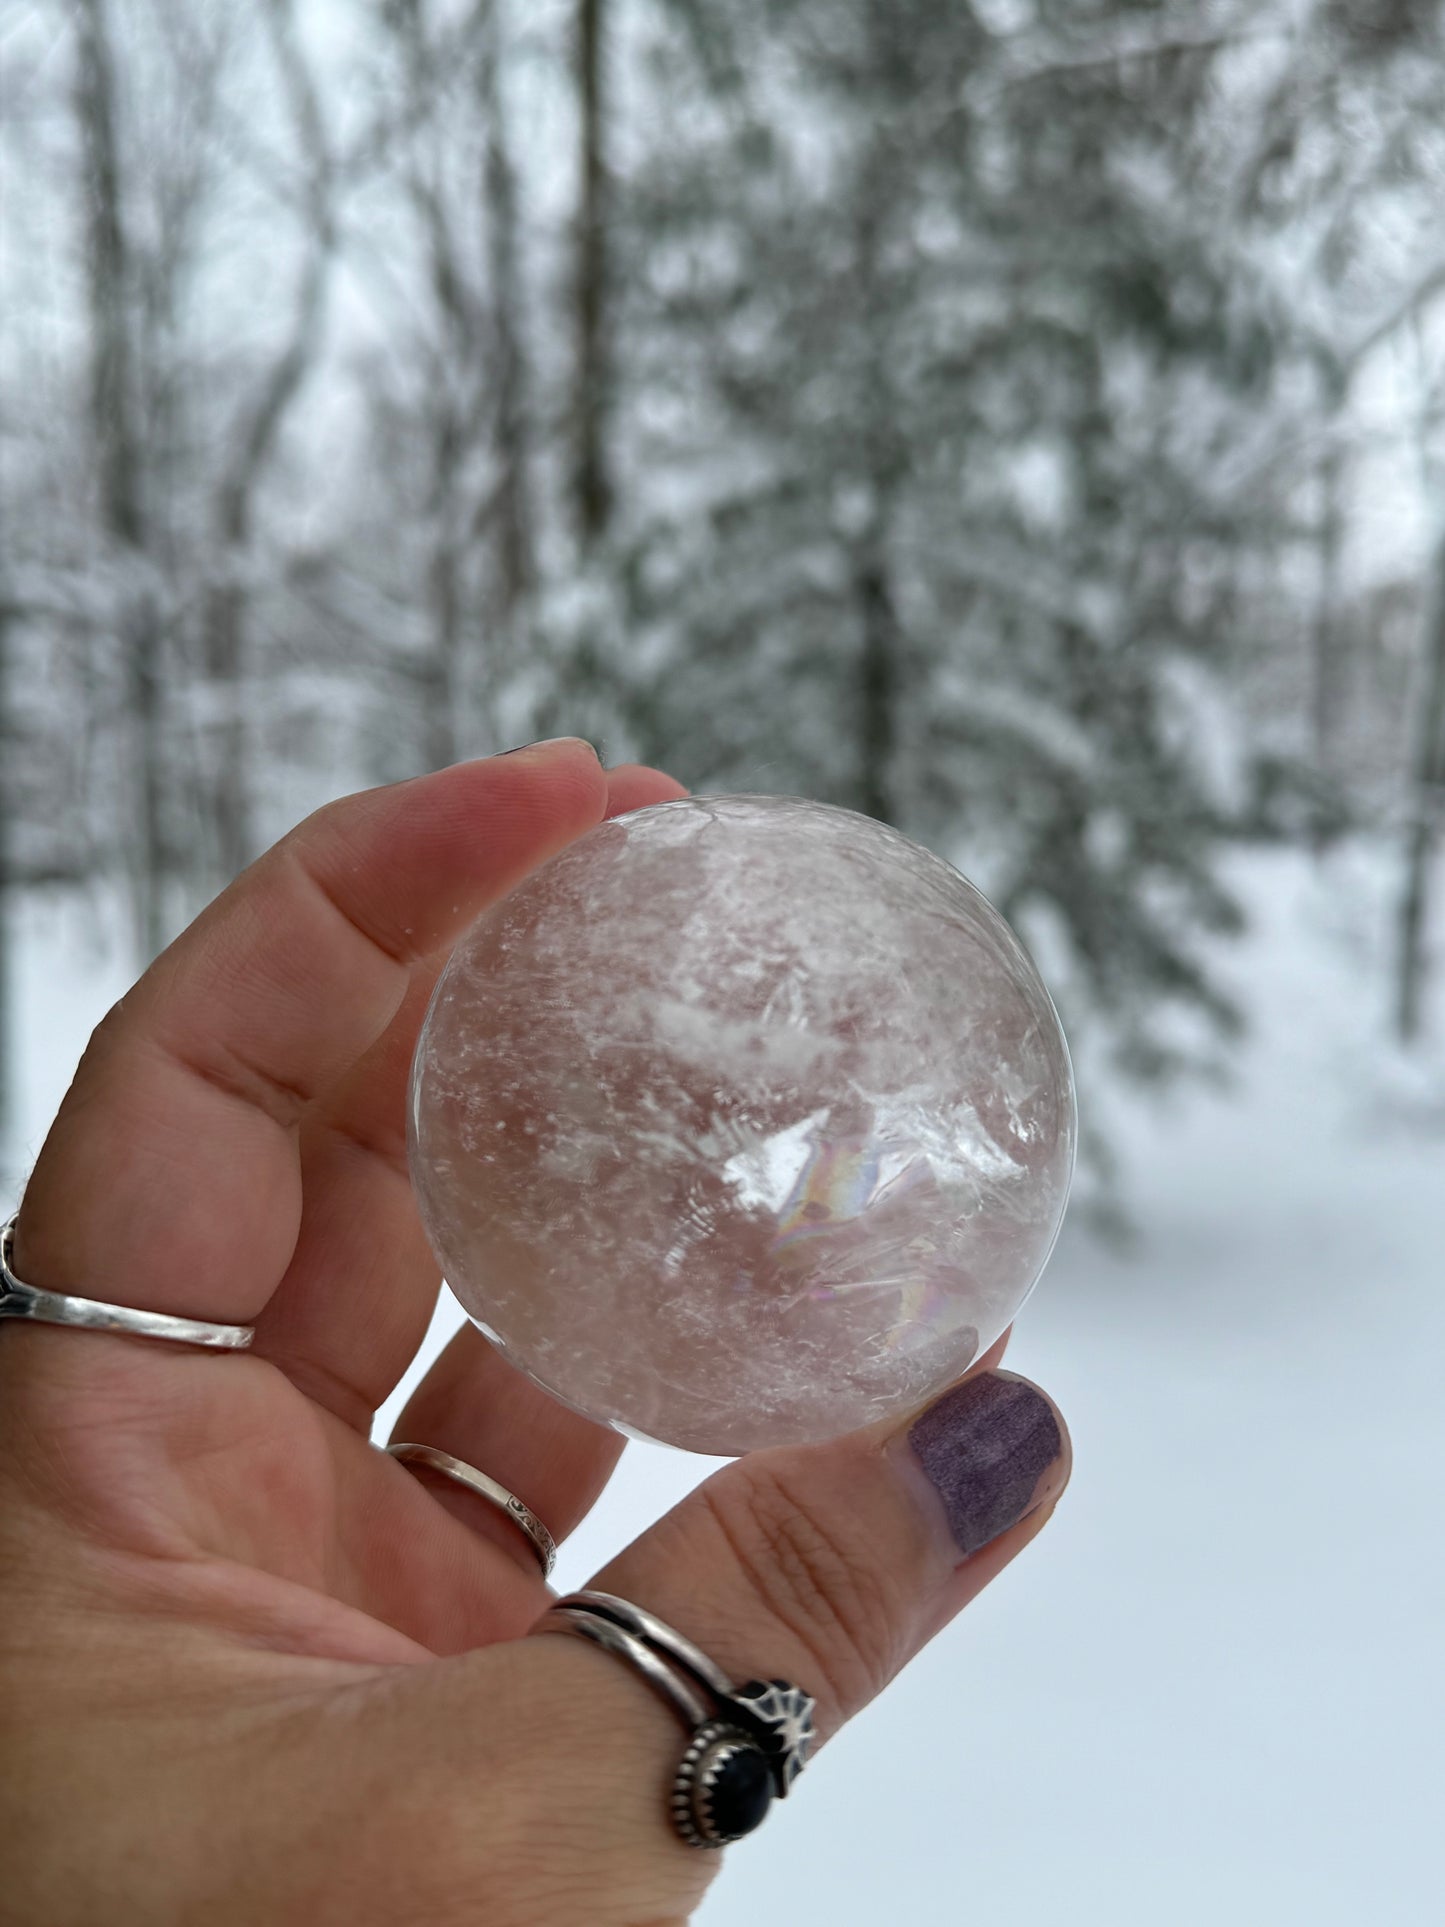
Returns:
(1019, 420)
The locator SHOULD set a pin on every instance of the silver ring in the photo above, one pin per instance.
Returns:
(682, 1697)
(19, 1300)
(468, 1477)
(745, 1744)
(645, 1625)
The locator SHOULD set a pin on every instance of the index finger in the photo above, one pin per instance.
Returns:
(171, 1178)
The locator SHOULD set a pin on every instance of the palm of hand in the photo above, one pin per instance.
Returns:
(233, 1148)
(254, 1511)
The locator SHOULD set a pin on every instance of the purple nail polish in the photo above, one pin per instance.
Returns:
(986, 1447)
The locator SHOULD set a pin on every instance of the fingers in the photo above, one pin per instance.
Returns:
(477, 1407)
(826, 1566)
(362, 1284)
(633, 786)
(171, 1178)
(355, 1302)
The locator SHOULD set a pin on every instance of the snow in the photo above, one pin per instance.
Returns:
(1213, 1690)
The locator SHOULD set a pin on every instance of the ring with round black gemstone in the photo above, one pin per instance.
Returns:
(723, 1788)
(746, 1744)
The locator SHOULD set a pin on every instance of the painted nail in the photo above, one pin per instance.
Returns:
(993, 1450)
(549, 742)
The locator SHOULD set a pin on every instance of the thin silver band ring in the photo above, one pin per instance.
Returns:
(668, 1685)
(19, 1300)
(471, 1480)
(643, 1625)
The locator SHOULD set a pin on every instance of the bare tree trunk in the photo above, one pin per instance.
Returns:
(516, 556)
(592, 483)
(112, 394)
(879, 670)
(1427, 809)
(118, 459)
(442, 746)
(878, 693)
(228, 610)
(227, 670)
(1327, 695)
(455, 396)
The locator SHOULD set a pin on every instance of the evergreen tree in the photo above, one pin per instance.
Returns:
(935, 361)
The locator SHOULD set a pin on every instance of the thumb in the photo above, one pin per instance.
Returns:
(827, 1566)
(831, 1565)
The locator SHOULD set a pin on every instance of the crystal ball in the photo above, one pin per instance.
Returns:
(742, 1121)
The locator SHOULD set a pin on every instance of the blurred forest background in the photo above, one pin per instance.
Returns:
(1018, 419)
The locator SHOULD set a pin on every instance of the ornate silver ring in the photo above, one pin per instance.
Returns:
(746, 1744)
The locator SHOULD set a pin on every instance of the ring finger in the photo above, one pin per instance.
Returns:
(475, 1406)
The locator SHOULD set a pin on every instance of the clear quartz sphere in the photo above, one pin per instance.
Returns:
(742, 1121)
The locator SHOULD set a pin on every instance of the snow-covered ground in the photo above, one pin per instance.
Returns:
(1214, 1691)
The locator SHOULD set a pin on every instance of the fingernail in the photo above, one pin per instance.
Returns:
(993, 1450)
(550, 742)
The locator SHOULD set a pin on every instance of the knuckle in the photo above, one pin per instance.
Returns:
(815, 1578)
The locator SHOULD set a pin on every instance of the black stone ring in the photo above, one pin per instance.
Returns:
(746, 1744)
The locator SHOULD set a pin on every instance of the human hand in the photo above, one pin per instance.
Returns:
(251, 1668)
